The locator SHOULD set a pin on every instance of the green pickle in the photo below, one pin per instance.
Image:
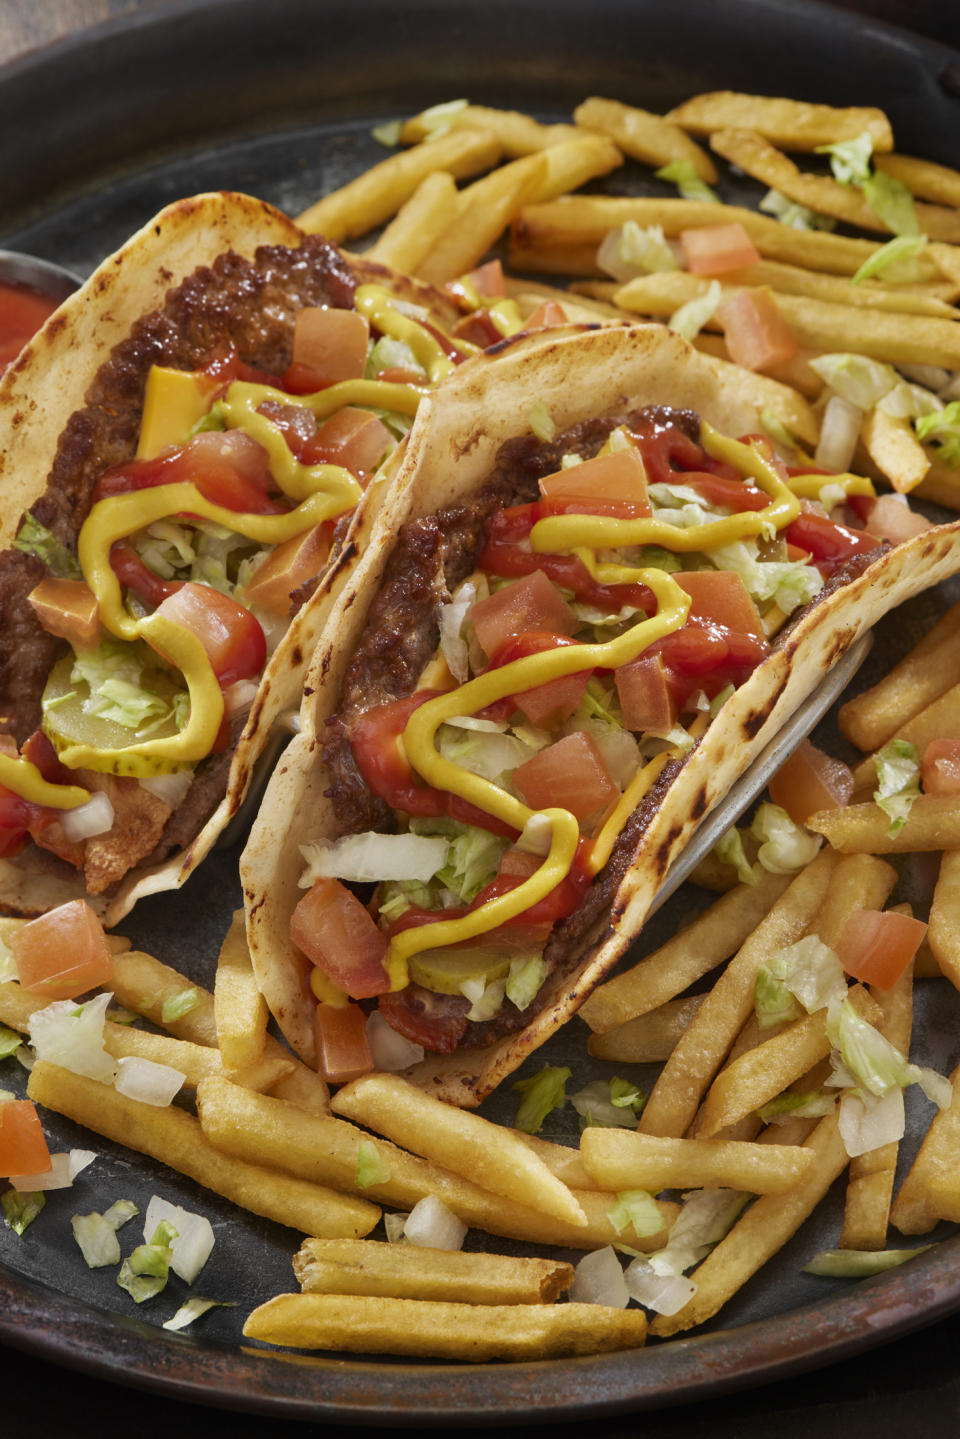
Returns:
(445, 970)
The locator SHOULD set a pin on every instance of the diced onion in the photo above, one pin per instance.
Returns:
(393, 1225)
(431, 1225)
(94, 817)
(373, 857)
(237, 698)
(147, 1081)
(839, 432)
(664, 1294)
(71, 1035)
(598, 1279)
(171, 788)
(194, 1240)
(391, 1051)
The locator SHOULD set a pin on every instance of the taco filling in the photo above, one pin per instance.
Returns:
(191, 507)
(536, 666)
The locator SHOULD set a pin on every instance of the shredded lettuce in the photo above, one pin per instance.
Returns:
(707, 1215)
(20, 1210)
(609, 1104)
(859, 1263)
(370, 856)
(787, 583)
(850, 159)
(10, 1041)
(897, 256)
(772, 1000)
(729, 850)
(525, 980)
(389, 354)
(71, 1035)
(372, 1168)
(486, 998)
(814, 1105)
(943, 427)
(388, 135)
(177, 1005)
(33, 538)
(114, 676)
(542, 1093)
(440, 117)
(810, 971)
(898, 782)
(144, 1273)
(192, 1309)
(856, 378)
(637, 1209)
(889, 199)
(784, 846)
(794, 215)
(682, 174)
(541, 421)
(874, 1063)
(690, 318)
(632, 249)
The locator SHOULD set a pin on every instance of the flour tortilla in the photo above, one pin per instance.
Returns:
(50, 380)
(452, 448)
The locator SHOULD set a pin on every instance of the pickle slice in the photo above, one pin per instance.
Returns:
(448, 967)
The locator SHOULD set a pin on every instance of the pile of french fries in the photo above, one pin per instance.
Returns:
(264, 1131)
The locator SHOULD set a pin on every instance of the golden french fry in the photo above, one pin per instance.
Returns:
(620, 1159)
(933, 823)
(644, 136)
(931, 1190)
(561, 1159)
(947, 260)
(759, 1075)
(712, 937)
(488, 1154)
(305, 1088)
(922, 177)
(870, 1181)
(752, 153)
(939, 718)
(418, 224)
(922, 676)
(795, 280)
(647, 1038)
(423, 1328)
(794, 124)
(940, 485)
(175, 1138)
(518, 134)
(407, 1271)
(894, 448)
(484, 210)
(943, 931)
(555, 259)
(757, 1235)
(194, 1061)
(378, 193)
(699, 1054)
(325, 1150)
(239, 1007)
(571, 163)
(154, 990)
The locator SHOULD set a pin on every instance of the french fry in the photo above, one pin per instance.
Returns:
(931, 1191)
(940, 718)
(620, 1159)
(305, 1088)
(644, 136)
(517, 133)
(418, 224)
(194, 1061)
(176, 1139)
(922, 177)
(940, 485)
(484, 210)
(407, 1271)
(153, 989)
(794, 124)
(422, 1328)
(685, 958)
(837, 290)
(239, 1008)
(561, 1159)
(325, 1150)
(894, 448)
(759, 1233)
(647, 1038)
(488, 1154)
(930, 668)
(866, 1212)
(571, 163)
(378, 193)
(943, 931)
(699, 1054)
(752, 153)
(932, 824)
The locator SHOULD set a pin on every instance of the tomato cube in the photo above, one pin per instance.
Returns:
(889, 518)
(614, 483)
(23, 1148)
(645, 698)
(877, 945)
(530, 603)
(721, 596)
(756, 334)
(233, 639)
(715, 249)
(68, 609)
(940, 767)
(570, 774)
(488, 280)
(284, 570)
(353, 438)
(343, 1049)
(338, 935)
(547, 315)
(63, 953)
(331, 343)
(810, 781)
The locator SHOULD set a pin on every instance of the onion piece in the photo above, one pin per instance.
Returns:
(867, 1123)
(664, 1294)
(194, 1241)
(238, 697)
(391, 1051)
(87, 820)
(147, 1081)
(71, 1035)
(598, 1279)
(171, 788)
(839, 432)
(372, 856)
(64, 1168)
(431, 1225)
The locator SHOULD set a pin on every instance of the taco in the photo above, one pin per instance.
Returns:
(553, 660)
(188, 451)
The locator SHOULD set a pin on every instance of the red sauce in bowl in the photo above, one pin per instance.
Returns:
(22, 312)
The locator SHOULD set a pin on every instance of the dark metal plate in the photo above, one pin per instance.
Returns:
(95, 136)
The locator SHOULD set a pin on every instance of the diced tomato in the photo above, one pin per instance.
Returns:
(756, 334)
(478, 328)
(562, 900)
(550, 313)
(810, 781)
(889, 518)
(23, 1148)
(231, 635)
(722, 597)
(228, 467)
(502, 556)
(610, 484)
(830, 544)
(488, 280)
(41, 753)
(343, 1049)
(398, 375)
(553, 701)
(375, 740)
(569, 774)
(425, 1018)
(714, 249)
(645, 699)
(67, 609)
(14, 822)
(286, 568)
(134, 575)
(329, 345)
(530, 603)
(353, 438)
(940, 767)
(877, 945)
(63, 953)
(338, 935)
